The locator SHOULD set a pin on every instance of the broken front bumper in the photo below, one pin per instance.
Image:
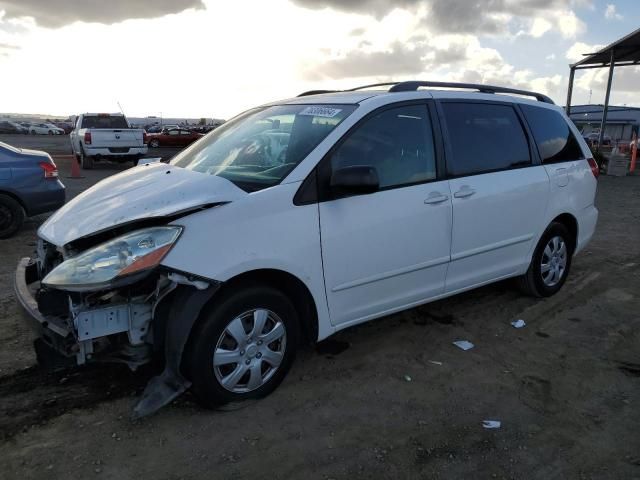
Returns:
(85, 329)
(53, 331)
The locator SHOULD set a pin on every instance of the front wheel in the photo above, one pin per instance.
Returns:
(155, 143)
(244, 346)
(550, 264)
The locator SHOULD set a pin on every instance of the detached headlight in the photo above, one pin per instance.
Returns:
(112, 263)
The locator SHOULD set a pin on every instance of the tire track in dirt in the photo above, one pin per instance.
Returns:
(32, 396)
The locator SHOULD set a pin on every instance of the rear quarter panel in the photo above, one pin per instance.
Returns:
(577, 197)
(23, 178)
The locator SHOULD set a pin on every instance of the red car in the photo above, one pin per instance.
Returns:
(174, 137)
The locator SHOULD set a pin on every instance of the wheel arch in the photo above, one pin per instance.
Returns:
(17, 199)
(294, 288)
(571, 224)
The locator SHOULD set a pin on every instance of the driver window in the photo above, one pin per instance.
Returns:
(173, 132)
(397, 142)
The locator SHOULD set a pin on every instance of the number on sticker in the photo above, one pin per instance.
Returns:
(321, 111)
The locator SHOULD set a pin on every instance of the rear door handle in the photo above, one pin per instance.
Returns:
(436, 197)
(464, 192)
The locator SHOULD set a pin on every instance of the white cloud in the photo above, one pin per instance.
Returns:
(551, 56)
(569, 24)
(539, 27)
(610, 13)
(577, 50)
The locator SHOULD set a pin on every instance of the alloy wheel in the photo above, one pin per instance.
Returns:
(554, 261)
(249, 351)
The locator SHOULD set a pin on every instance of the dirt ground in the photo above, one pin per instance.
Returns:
(389, 399)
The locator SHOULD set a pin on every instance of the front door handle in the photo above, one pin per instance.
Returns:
(436, 197)
(464, 192)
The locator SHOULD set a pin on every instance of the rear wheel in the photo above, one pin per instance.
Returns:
(50, 132)
(33, 132)
(86, 162)
(11, 216)
(244, 347)
(550, 264)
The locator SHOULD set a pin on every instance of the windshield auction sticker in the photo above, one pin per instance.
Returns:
(321, 111)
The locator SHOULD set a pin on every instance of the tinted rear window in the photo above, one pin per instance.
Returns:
(104, 122)
(484, 137)
(555, 141)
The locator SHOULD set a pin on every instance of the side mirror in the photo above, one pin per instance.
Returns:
(355, 179)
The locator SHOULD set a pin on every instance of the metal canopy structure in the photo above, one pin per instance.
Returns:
(621, 53)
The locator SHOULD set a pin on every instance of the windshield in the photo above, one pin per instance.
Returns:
(260, 147)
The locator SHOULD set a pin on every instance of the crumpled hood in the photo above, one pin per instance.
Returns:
(152, 190)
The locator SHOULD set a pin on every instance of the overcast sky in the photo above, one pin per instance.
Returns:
(215, 58)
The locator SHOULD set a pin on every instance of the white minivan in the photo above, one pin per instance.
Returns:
(302, 217)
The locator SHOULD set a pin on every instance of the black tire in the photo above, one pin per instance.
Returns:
(33, 132)
(50, 132)
(11, 216)
(532, 282)
(154, 143)
(200, 366)
(86, 162)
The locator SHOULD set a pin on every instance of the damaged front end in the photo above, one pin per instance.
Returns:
(105, 304)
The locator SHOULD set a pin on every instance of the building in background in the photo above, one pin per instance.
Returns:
(621, 121)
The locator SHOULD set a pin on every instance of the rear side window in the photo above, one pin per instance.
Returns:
(484, 137)
(556, 142)
(398, 142)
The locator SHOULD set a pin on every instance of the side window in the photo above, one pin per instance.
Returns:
(484, 137)
(556, 142)
(398, 142)
(174, 132)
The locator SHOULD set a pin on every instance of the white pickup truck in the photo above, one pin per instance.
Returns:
(106, 136)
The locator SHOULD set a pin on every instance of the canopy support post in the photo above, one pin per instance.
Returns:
(606, 99)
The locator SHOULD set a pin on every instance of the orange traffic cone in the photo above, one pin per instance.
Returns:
(75, 168)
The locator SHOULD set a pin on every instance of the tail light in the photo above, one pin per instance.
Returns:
(50, 169)
(144, 137)
(87, 138)
(595, 169)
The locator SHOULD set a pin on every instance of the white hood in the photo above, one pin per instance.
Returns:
(147, 191)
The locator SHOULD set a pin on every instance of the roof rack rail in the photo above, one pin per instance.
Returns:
(316, 92)
(414, 85)
(385, 84)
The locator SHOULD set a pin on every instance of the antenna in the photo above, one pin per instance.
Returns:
(120, 107)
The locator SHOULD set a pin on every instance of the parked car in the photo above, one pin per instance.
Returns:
(174, 137)
(65, 126)
(229, 256)
(11, 127)
(106, 136)
(593, 138)
(29, 185)
(45, 129)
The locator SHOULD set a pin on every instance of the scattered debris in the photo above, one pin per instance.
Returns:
(463, 344)
(491, 423)
(518, 323)
(435, 362)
